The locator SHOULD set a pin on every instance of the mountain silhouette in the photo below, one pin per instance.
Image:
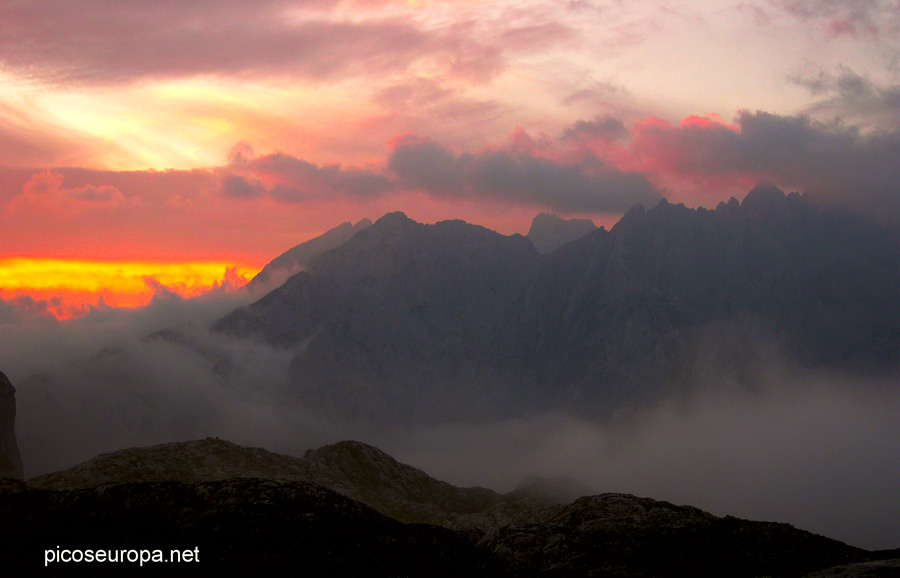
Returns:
(424, 323)
(298, 258)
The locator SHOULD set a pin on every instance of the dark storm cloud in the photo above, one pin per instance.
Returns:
(297, 179)
(839, 162)
(590, 185)
(602, 127)
(238, 187)
(424, 164)
(832, 160)
(514, 175)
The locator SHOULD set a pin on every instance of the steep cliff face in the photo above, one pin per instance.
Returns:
(10, 459)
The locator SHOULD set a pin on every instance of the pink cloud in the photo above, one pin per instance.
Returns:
(259, 205)
(97, 42)
(45, 192)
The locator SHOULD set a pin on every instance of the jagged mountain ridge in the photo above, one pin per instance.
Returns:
(452, 321)
(401, 309)
(298, 257)
(672, 292)
(334, 523)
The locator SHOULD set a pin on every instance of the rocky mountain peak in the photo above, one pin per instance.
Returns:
(764, 199)
(299, 257)
(10, 459)
(549, 232)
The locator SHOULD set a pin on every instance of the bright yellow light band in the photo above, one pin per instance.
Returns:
(42, 274)
(120, 283)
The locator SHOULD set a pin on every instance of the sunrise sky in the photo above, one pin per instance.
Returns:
(149, 145)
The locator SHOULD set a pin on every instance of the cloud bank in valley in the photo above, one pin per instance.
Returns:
(817, 451)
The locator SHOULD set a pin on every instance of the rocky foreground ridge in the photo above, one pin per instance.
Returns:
(350, 509)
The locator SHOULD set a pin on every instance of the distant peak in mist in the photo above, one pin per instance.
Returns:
(549, 232)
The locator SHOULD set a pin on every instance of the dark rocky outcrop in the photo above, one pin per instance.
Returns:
(239, 527)
(10, 459)
(206, 460)
(340, 510)
(623, 535)
(353, 469)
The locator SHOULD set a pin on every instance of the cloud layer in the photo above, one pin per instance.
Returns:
(814, 450)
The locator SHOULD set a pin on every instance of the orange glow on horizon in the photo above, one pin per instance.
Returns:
(68, 288)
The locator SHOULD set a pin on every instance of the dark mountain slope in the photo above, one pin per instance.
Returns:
(396, 314)
(299, 257)
(611, 316)
(424, 323)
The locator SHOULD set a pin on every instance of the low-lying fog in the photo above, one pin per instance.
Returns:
(821, 452)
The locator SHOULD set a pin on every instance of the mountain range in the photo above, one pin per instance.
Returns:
(351, 509)
(427, 323)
